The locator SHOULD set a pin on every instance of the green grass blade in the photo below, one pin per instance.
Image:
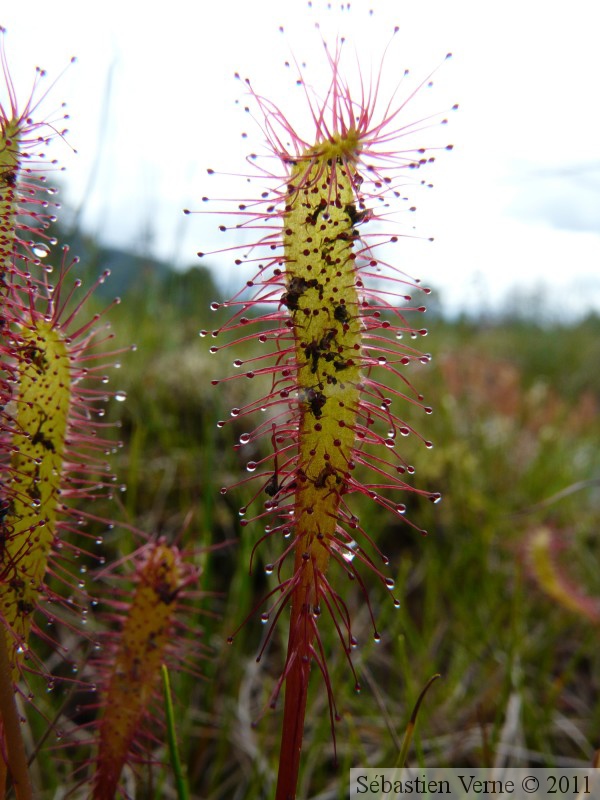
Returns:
(180, 781)
(410, 728)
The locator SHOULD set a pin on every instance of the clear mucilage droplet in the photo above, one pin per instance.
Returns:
(40, 249)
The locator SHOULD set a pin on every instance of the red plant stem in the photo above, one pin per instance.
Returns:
(13, 740)
(296, 689)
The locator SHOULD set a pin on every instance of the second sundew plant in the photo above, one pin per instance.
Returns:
(52, 448)
(331, 313)
(147, 610)
(53, 465)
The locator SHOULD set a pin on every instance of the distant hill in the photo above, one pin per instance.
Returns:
(126, 267)
(134, 275)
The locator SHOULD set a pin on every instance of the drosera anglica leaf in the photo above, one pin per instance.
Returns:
(333, 312)
(148, 605)
(52, 446)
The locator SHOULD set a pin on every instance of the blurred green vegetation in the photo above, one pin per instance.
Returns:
(516, 430)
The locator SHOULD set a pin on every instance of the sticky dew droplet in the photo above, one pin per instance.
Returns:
(40, 250)
(348, 554)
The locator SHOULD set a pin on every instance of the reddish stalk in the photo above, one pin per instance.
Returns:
(296, 691)
(13, 739)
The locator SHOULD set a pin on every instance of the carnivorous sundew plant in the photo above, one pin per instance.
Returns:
(331, 313)
(52, 448)
(150, 634)
(53, 463)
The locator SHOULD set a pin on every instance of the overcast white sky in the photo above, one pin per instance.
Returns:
(152, 104)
